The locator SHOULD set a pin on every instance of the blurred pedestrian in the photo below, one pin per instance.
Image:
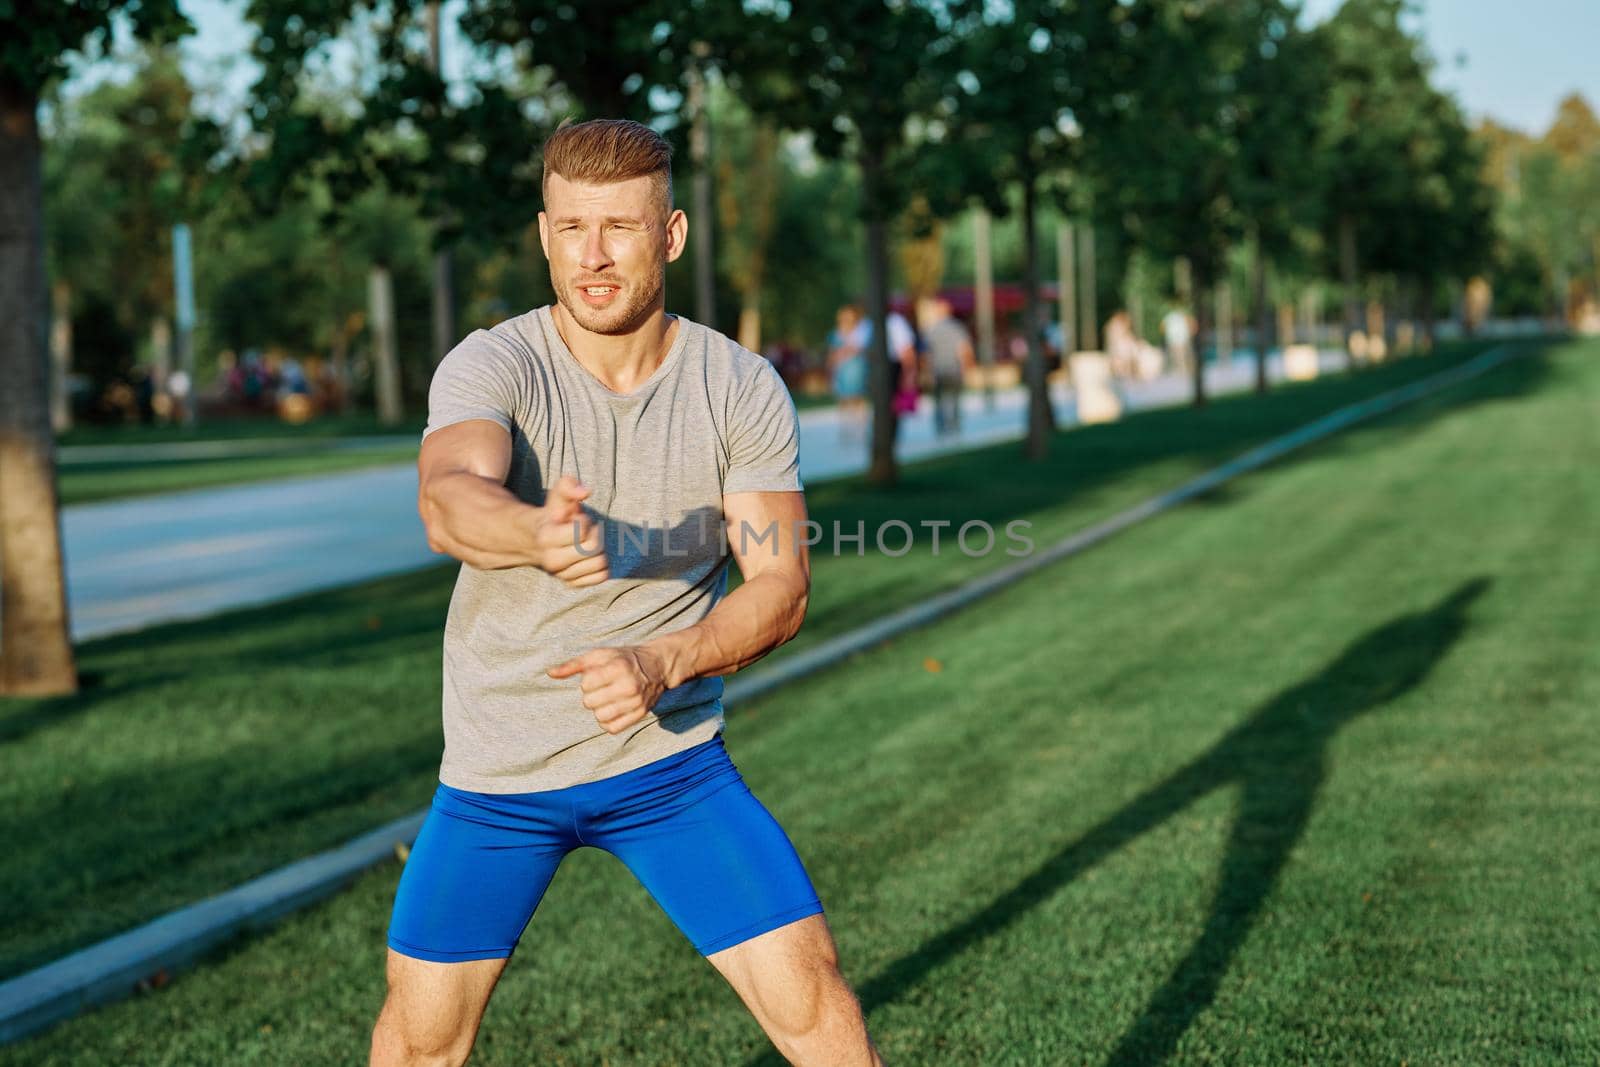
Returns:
(1177, 330)
(949, 357)
(1121, 344)
(847, 365)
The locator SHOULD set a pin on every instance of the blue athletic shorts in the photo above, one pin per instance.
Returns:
(687, 827)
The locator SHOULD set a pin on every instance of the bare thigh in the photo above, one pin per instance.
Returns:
(432, 1011)
(789, 979)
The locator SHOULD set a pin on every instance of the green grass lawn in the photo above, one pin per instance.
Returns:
(233, 428)
(201, 754)
(1302, 773)
(83, 483)
(264, 448)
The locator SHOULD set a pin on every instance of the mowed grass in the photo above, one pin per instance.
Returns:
(201, 754)
(1306, 774)
(86, 482)
(235, 428)
(263, 448)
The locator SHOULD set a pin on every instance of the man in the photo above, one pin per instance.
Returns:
(580, 460)
(949, 358)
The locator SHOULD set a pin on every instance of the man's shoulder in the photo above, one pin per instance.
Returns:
(725, 357)
(522, 334)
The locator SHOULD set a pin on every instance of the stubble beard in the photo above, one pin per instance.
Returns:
(636, 304)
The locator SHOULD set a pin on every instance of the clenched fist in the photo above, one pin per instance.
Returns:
(567, 542)
(620, 685)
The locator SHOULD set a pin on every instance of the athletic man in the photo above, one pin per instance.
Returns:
(580, 460)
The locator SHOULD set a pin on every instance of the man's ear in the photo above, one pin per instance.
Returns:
(544, 234)
(677, 234)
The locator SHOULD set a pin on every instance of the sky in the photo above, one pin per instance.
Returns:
(1510, 61)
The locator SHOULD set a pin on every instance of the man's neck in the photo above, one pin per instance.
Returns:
(622, 362)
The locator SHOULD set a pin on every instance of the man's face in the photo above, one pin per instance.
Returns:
(608, 247)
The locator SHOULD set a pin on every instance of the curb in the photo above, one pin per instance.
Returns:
(114, 968)
(938, 606)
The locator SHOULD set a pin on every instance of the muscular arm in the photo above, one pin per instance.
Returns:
(621, 685)
(470, 514)
(766, 610)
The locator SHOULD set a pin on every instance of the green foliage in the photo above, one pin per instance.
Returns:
(115, 182)
(36, 39)
(1395, 155)
(1169, 147)
(1549, 220)
(853, 74)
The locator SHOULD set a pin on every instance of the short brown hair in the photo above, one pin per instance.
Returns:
(610, 150)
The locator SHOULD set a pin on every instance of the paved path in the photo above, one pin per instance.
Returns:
(133, 563)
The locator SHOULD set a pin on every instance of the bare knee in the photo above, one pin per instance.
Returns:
(398, 1042)
(815, 1018)
(430, 1017)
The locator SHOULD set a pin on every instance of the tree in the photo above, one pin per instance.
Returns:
(79, 226)
(1444, 226)
(1375, 108)
(1013, 120)
(469, 164)
(854, 74)
(1167, 157)
(35, 641)
(1275, 190)
(748, 175)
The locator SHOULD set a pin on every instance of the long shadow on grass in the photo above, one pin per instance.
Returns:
(1278, 756)
(996, 484)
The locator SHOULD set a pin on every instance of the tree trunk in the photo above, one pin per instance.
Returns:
(1311, 314)
(705, 263)
(1041, 419)
(1202, 314)
(160, 352)
(1263, 313)
(750, 323)
(444, 268)
(1428, 296)
(60, 355)
(35, 643)
(1066, 290)
(1349, 272)
(1088, 292)
(1223, 295)
(385, 362)
(882, 470)
(444, 304)
(983, 297)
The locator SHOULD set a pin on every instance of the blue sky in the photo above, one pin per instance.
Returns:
(1510, 59)
(1521, 56)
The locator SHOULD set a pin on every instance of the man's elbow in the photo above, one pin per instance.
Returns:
(797, 610)
(435, 527)
(431, 514)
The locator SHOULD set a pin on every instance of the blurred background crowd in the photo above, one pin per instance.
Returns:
(361, 182)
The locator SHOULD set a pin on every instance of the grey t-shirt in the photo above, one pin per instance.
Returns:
(713, 418)
(945, 340)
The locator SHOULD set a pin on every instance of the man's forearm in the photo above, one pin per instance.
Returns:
(754, 619)
(478, 521)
